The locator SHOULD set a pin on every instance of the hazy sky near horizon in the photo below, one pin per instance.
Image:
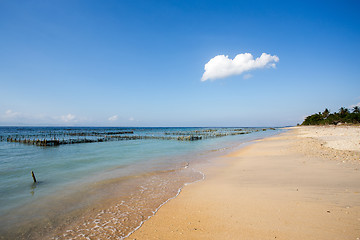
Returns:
(142, 63)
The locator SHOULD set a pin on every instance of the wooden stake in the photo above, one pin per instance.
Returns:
(33, 176)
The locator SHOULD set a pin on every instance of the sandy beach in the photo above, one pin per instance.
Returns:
(301, 184)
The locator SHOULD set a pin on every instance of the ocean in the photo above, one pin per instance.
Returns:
(100, 182)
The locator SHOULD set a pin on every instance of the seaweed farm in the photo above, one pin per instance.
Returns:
(61, 136)
(52, 182)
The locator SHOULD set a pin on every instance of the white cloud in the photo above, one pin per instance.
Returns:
(11, 114)
(221, 66)
(355, 105)
(247, 76)
(131, 119)
(113, 118)
(23, 118)
(68, 118)
(10, 117)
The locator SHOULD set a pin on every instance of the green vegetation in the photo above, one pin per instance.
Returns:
(342, 116)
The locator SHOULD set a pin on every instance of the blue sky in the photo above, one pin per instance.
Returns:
(140, 63)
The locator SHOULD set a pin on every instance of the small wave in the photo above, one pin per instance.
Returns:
(162, 204)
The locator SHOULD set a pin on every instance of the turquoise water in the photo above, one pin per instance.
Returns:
(66, 169)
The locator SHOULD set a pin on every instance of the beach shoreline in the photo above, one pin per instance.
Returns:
(289, 186)
(128, 187)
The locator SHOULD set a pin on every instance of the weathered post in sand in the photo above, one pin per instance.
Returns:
(33, 176)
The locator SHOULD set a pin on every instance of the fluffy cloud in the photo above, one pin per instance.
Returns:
(221, 66)
(10, 117)
(68, 118)
(113, 118)
(247, 76)
(11, 114)
(355, 105)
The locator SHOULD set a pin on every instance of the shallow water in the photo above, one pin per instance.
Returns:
(102, 189)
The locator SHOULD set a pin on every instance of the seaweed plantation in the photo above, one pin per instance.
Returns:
(75, 136)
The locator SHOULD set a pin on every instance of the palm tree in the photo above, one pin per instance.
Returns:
(343, 111)
(326, 113)
(356, 109)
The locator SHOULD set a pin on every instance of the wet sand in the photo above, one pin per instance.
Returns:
(290, 186)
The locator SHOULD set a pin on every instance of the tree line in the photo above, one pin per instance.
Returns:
(342, 116)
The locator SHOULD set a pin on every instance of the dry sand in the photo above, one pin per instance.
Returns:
(283, 187)
(338, 137)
